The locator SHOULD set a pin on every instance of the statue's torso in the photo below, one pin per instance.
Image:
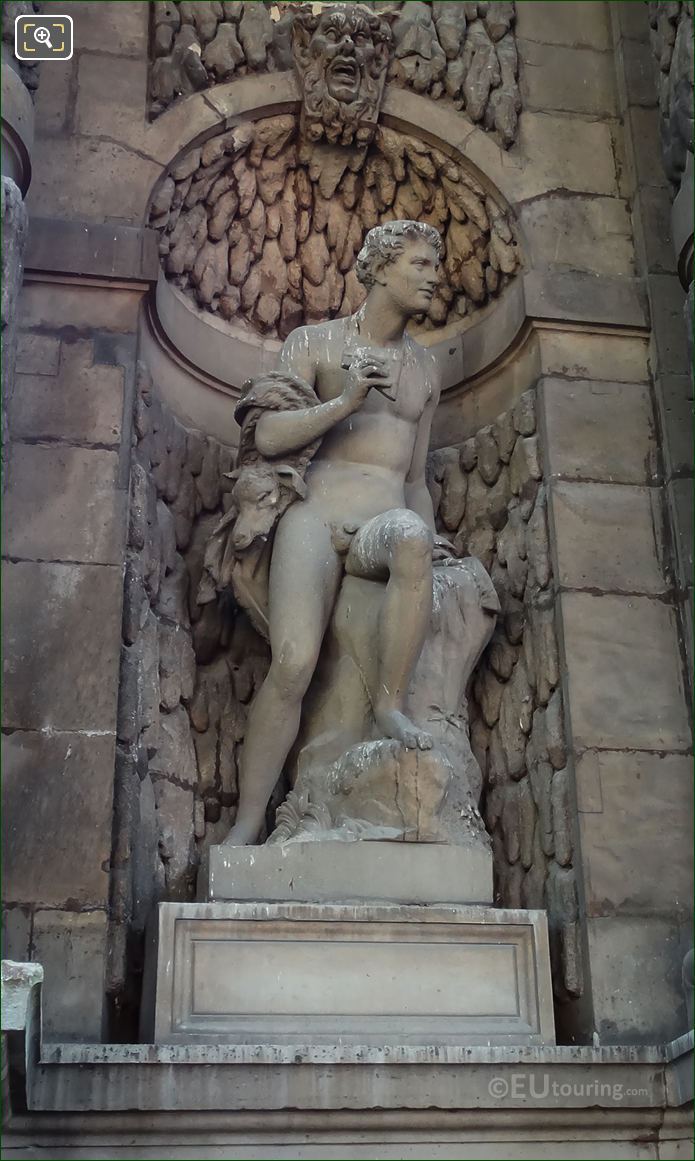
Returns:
(361, 467)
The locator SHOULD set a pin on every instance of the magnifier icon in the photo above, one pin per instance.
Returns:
(44, 37)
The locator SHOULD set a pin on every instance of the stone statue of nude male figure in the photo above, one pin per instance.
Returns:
(378, 390)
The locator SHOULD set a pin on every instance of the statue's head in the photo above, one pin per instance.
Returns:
(341, 54)
(404, 257)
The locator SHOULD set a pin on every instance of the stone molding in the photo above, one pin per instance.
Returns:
(417, 1086)
(17, 129)
(91, 250)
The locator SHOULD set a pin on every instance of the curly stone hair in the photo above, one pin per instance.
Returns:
(360, 15)
(384, 243)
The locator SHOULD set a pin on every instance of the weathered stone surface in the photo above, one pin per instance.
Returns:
(540, 778)
(524, 467)
(124, 30)
(71, 948)
(64, 505)
(623, 672)
(488, 457)
(636, 963)
(84, 402)
(524, 414)
(650, 794)
(255, 33)
(609, 537)
(568, 79)
(412, 874)
(581, 162)
(501, 656)
(672, 43)
(515, 720)
(488, 694)
(545, 24)
(175, 757)
(176, 666)
(47, 684)
(487, 505)
(537, 545)
(224, 52)
(541, 614)
(115, 182)
(174, 813)
(581, 419)
(511, 549)
(124, 80)
(453, 495)
(57, 794)
(555, 731)
(580, 233)
(37, 354)
(562, 817)
(16, 938)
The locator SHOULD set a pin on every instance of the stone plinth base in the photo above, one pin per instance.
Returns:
(318, 872)
(329, 974)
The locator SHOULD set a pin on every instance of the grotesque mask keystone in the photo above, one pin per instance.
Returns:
(341, 56)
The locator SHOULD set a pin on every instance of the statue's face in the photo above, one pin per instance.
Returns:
(345, 47)
(341, 61)
(412, 276)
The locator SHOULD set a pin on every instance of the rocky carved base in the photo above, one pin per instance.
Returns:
(380, 790)
(348, 782)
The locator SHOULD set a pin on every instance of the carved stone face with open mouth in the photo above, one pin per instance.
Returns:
(341, 56)
(343, 78)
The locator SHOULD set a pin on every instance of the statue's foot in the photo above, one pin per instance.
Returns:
(397, 726)
(241, 835)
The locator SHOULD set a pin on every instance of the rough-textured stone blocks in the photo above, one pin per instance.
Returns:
(599, 431)
(634, 957)
(584, 24)
(573, 80)
(72, 950)
(61, 636)
(579, 232)
(83, 402)
(623, 671)
(57, 802)
(649, 796)
(64, 505)
(609, 538)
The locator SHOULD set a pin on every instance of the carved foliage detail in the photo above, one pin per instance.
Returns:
(671, 23)
(259, 227)
(463, 52)
(489, 494)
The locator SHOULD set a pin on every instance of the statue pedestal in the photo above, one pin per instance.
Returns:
(335, 872)
(330, 974)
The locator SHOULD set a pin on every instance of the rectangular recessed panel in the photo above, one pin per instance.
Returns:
(353, 978)
(269, 973)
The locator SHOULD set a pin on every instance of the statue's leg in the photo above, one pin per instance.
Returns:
(305, 573)
(397, 546)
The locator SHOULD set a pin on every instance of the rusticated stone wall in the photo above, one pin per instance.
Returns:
(462, 52)
(13, 216)
(671, 34)
(187, 676)
(489, 495)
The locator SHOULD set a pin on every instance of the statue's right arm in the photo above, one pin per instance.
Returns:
(280, 432)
